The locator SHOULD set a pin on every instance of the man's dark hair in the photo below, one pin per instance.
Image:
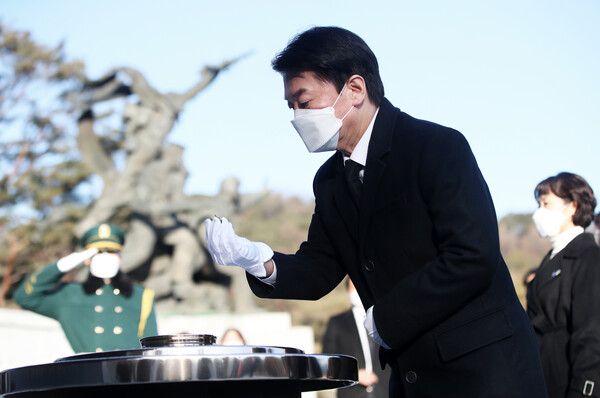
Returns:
(571, 188)
(333, 54)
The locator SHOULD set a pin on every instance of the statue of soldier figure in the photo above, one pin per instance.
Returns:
(165, 236)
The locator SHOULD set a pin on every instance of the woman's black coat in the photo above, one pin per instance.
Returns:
(563, 302)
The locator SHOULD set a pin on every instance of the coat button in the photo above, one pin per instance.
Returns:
(369, 265)
(411, 377)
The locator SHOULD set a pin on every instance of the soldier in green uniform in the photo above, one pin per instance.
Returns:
(108, 311)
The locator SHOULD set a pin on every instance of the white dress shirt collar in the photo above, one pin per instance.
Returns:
(359, 154)
(562, 240)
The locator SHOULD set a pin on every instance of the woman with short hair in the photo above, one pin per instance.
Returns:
(563, 300)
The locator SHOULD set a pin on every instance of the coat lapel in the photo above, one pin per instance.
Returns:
(560, 267)
(343, 200)
(379, 148)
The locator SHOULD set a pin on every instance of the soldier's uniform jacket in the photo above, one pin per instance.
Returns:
(101, 321)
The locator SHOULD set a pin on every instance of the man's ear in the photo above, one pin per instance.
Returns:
(358, 89)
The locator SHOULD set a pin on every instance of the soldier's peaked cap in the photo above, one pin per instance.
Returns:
(103, 236)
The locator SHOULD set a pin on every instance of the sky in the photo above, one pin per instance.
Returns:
(519, 79)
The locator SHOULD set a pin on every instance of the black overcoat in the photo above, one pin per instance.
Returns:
(423, 249)
(563, 301)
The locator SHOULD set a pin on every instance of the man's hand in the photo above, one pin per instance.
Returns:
(67, 263)
(227, 248)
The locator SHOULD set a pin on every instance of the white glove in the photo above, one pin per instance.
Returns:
(227, 248)
(372, 330)
(67, 263)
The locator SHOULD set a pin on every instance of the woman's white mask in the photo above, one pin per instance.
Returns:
(319, 128)
(548, 222)
(105, 265)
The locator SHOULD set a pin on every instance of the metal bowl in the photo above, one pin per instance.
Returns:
(176, 365)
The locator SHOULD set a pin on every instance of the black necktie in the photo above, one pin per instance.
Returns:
(351, 171)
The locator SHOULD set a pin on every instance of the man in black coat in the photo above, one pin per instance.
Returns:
(417, 235)
(346, 335)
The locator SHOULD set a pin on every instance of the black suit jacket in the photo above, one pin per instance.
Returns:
(563, 302)
(341, 337)
(423, 249)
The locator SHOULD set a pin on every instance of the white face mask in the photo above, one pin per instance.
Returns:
(548, 222)
(105, 265)
(319, 128)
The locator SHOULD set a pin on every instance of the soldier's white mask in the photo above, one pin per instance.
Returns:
(548, 222)
(319, 128)
(105, 265)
